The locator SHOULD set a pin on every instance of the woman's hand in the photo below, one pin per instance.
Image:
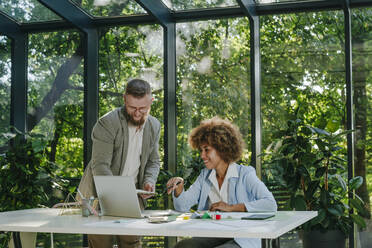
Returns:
(175, 184)
(220, 206)
(224, 207)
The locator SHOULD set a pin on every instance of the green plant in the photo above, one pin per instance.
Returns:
(27, 178)
(309, 162)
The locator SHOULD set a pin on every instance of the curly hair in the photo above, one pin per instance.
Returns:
(222, 135)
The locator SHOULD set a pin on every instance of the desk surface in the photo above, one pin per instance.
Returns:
(49, 220)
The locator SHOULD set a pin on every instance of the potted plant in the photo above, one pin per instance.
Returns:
(27, 178)
(308, 162)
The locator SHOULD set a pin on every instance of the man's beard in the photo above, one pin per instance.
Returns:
(130, 119)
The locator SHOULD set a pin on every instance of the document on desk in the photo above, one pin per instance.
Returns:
(226, 225)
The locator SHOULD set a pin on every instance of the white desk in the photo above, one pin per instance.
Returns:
(48, 220)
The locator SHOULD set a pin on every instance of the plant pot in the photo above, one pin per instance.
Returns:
(329, 239)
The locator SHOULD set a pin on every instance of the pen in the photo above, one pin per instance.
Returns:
(173, 185)
(81, 195)
(86, 204)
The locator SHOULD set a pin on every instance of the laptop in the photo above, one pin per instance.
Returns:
(117, 196)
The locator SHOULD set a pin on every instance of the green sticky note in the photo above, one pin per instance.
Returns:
(206, 216)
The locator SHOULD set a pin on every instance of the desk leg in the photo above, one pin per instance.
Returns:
(17, 240)
(85, 240)
(270, 243)
(170, 242)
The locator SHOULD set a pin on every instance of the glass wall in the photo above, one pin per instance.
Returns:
(5, 72)
(127, 53)
(28, 11)
(362, 79)
(303, 79)
(55, 110)
(213, 80)
(134, 52)
(196, 4)
(55, 97)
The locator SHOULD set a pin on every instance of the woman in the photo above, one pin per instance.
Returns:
(223, 185)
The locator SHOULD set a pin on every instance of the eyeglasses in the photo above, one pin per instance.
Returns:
(142, 110)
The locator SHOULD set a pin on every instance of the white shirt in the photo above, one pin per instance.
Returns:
(218, 194)
(133, 161)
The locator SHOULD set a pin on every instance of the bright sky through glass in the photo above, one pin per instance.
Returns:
(198, 4)
(27, 11)
(107, 8)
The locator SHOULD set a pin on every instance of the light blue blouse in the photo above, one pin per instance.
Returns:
(246, 189)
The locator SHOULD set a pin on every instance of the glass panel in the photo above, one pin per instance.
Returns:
(27, 11)
(303, 78)
(102, 8)
(55, 97)
(55, 109)
(362, 79)
(198, 4)
(213, 80)
(127, 53)
(282, 1)
(5, 81)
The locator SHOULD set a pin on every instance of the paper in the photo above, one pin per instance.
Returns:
(144, 192)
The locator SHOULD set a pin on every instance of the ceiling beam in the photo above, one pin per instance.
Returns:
(70, 12)
(157, 9)
(298, 6)
(9, 26)
(248, 6)
(197, 15)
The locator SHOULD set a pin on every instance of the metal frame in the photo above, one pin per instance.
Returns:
(195, 15)
(250, 9)
(349, 105)
(19, 54)
(75, 17)
(163, 15)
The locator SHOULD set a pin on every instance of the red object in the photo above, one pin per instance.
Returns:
(218, 216)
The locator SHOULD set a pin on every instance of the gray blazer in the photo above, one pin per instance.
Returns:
(110, 148)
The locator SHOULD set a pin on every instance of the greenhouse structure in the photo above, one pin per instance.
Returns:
(294, 75)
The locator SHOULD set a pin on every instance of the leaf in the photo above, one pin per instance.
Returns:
(304, 172)
(355, 182)
(38, 145)
(343, 133)
(311, 189)
(299, 203)
(358, 204)
(320, 171)
(8, 135)
(324, 197)
(358, 220)
(333, 125)
(319, 218)
(335, 210)
(320, 131)
(342, 182)
(355, 203)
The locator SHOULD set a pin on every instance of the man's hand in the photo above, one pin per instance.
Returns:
(148, 187)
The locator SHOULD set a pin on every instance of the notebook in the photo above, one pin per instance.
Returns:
(117, 196)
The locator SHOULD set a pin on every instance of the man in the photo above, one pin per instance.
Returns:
(125, 142)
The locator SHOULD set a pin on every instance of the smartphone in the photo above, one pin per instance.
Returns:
(258, 217)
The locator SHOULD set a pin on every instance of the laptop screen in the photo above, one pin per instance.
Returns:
(117, 196)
